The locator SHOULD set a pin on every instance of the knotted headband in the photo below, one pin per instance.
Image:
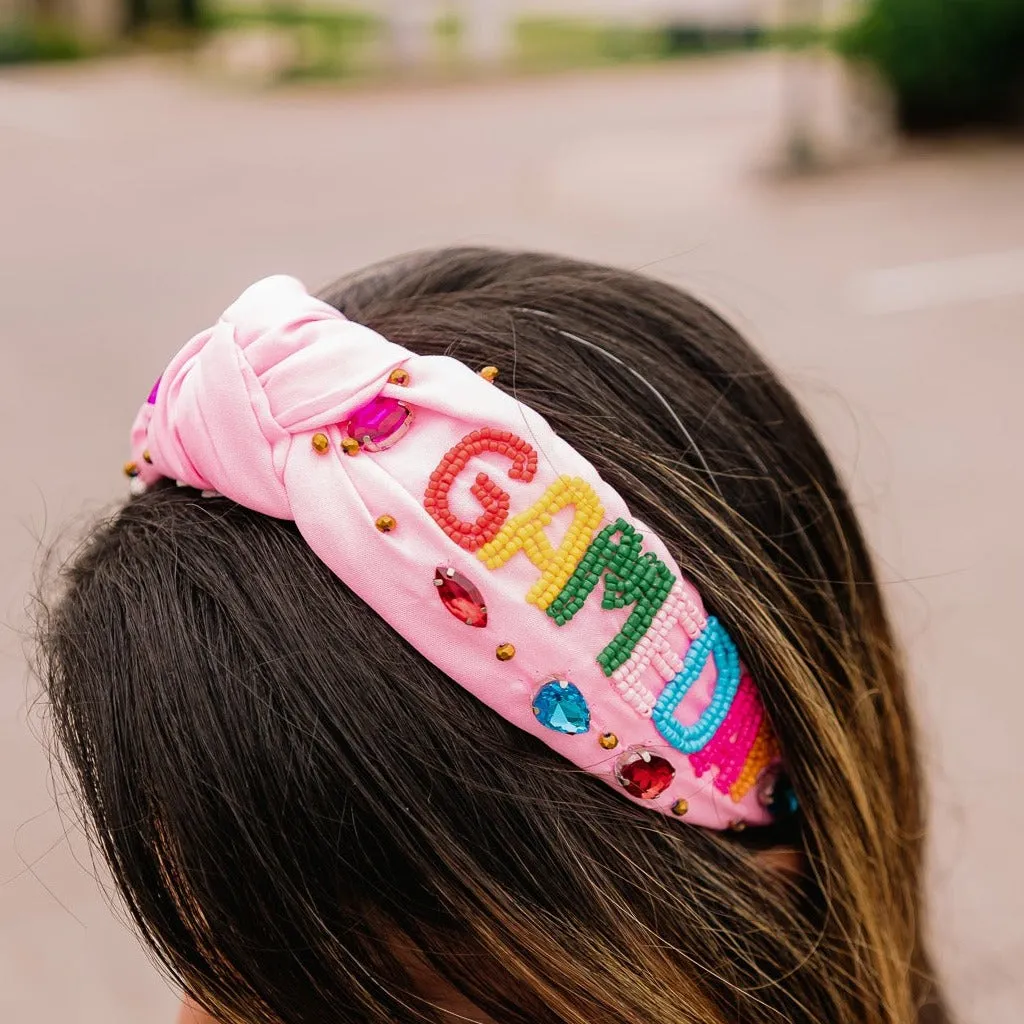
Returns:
(456, 513)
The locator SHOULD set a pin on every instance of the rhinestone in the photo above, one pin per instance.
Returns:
(320, 443)
(560, 706)
(379, 424)
(461, 598)
(643, 774)
(775, 792)
(505, 652)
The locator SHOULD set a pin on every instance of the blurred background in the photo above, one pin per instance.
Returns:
(844, 179)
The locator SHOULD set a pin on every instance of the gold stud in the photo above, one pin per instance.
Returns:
(399, 376)
(489, 373)
(609, 740)
(146, 457)
(131, 469)
(505, 652)
(321, 443)
(350, 446)
(680, 807)
(386, 523)
(737, 826)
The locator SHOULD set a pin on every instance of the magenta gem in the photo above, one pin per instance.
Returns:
(152, 395)
(460, 597)
(379, 423)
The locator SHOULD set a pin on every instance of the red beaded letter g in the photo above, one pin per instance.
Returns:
(494, 501)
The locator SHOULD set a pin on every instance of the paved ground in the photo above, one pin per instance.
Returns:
(136, 201)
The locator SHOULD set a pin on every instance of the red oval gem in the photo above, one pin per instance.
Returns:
(644, 775)
(460, 597)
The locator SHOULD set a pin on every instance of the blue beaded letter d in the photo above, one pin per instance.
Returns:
(691, 738)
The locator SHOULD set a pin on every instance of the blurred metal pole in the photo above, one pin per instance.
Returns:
(411, 31)
(488, 27)
(800, 83)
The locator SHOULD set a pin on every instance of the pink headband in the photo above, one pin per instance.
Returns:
(483, 538)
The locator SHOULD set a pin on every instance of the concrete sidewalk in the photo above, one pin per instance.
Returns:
(136, 202)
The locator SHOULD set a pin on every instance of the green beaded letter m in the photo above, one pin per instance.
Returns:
(630, 578)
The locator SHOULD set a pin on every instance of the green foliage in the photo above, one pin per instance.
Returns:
(340, 42)
(573, 42)
(553, 43)
(332, 42)
(680, 39)
(949, 62)
(350, 24)
(38, 41)
(797, 36)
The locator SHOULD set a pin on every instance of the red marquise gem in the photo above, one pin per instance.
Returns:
(644, 775)
(460, 597)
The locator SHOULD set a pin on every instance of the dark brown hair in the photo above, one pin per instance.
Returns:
(259, 753)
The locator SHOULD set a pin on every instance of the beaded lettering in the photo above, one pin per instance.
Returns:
(764, 751)
(728, 748)
(630, 578)
(525, 532)
(732, 734)
(494, 501)
(714, 641)
(654, 649)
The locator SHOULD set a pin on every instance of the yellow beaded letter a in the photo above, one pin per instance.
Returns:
(525, 532)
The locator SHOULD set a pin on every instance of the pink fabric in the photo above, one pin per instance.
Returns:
(236, 411)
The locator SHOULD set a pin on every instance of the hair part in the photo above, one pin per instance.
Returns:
(258, 751)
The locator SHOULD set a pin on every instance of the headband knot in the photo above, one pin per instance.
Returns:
(277, 364)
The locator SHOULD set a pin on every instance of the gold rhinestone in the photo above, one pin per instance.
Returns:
(737, 826)
(386, 523)
(609, 740)
(680, 807)
(321, 443)
(489, 373)
(131, 469)
(146, 457)
(505, 652)
(399, 376)
(350, 446)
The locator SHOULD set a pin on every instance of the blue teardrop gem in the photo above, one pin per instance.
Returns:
(559, 705)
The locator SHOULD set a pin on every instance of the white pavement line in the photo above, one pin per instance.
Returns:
(989, 275)
(45, 112)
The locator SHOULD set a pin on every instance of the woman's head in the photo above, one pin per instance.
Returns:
(309, 820)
